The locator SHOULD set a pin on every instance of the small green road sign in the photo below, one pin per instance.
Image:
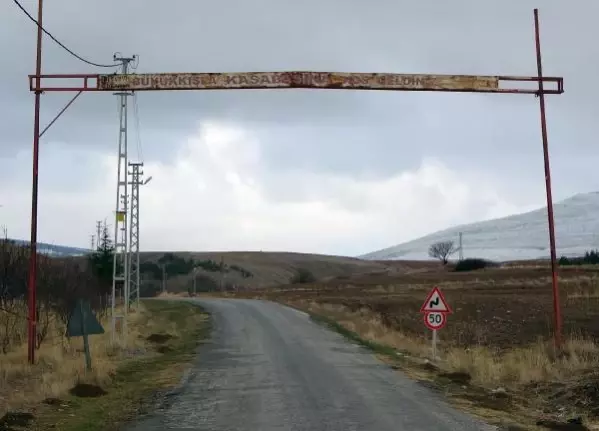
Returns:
(83, 321)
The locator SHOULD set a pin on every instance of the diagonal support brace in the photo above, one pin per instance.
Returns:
(60, 113)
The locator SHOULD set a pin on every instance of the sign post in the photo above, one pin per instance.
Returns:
(435, 310)
(83, 323)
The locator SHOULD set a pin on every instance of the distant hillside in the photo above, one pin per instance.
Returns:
(55, 250)
(241, 269)
(517, 237)
(248, 270)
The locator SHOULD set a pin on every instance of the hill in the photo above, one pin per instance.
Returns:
(54, 250)
(249, 270)
(516, 237)
(239, 270)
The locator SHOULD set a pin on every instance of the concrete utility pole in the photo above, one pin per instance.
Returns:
(98, 233)
(134, 272)
(461, 250)
(193, 290)
(92, 244)
(120, 274)
(163, 278)
(195, 281)
(222, 274)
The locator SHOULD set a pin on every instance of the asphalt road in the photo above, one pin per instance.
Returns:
(269, 367)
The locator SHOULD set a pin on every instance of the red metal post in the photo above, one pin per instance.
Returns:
(31, 327)
(556, 304)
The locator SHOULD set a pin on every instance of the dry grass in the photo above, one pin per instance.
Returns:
(584, 287)
(366, 324)
(486, 366)
(61, 363)
(542, 380)
(173, 295)
(524, 365)
(139, 379)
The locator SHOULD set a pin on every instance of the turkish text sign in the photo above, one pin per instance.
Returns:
(266, 80)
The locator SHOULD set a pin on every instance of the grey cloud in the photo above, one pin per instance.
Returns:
(359, 133)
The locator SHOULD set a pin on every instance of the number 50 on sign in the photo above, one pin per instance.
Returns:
(435, 320)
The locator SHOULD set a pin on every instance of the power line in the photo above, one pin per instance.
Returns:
(140, 154)
(59, 42)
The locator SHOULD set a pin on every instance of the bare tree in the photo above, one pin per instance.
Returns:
(61, 282)
(442, 250)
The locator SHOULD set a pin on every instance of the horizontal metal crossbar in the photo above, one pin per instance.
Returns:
(293, 80)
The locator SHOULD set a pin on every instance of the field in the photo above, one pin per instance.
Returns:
(498, 337)
(496, 308)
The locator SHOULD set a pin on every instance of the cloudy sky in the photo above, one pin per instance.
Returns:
(322, 171)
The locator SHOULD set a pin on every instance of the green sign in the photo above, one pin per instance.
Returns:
(83, 321)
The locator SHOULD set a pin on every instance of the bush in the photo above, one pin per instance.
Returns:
(60, 283)
(589, 258)
(244, 272)
(302, 276)
(150, 270)
(176, 265)
(205, 283)
(211, 266)
(473, 264)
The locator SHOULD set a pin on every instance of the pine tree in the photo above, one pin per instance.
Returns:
(102, 260)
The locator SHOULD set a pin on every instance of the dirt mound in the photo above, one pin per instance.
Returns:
(159, 338)
(85, 390)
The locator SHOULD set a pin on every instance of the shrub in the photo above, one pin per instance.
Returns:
(60, 283)
(589, 258)
(176, 265)
(302, 276)
(211, 266)
(205, 283)
(472, 264)
(244, 272)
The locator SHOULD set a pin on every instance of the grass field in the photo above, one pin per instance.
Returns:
(497, 342)
(58, 394)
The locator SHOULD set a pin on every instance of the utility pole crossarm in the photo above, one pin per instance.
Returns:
(298, 79)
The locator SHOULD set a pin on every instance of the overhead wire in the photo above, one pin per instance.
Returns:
(77, 56)
(140, 154)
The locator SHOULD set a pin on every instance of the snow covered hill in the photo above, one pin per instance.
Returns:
(55, 250)
(516, 237)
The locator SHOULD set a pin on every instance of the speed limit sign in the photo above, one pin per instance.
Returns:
(435, 320)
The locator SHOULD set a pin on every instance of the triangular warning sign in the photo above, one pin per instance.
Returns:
(83, 321)
(435, 302)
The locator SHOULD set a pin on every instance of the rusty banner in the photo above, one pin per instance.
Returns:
(324, 80)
